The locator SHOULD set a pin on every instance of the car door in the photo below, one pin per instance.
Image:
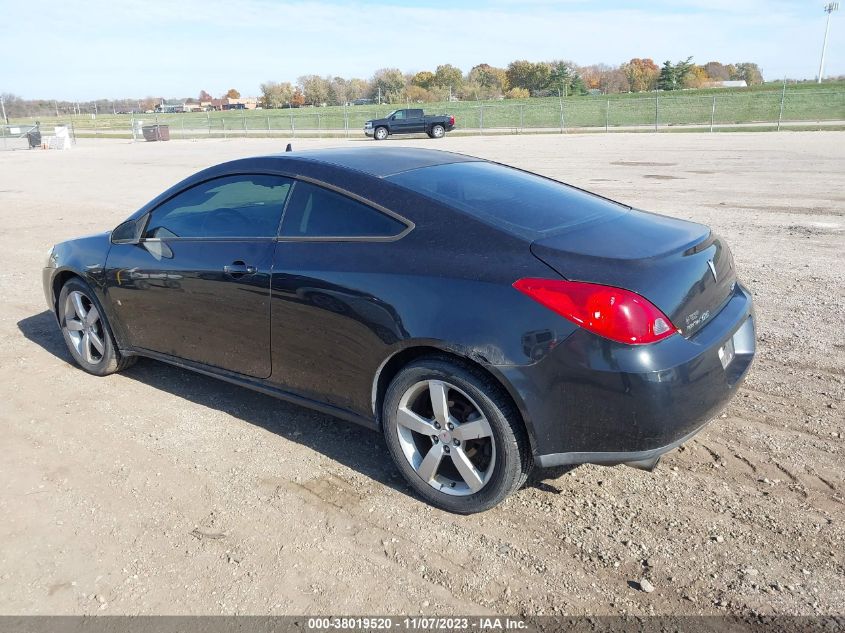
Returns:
(399, 122)
(330, 324)
(197, 284)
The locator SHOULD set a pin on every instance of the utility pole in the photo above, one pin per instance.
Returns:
(3, 107)
(829, 9)
(560, 101)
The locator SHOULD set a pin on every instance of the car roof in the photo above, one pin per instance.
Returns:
(372, 162)
(378, 161)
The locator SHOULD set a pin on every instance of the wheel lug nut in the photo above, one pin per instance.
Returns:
(446, 448)
(456, 442)
(437, 425)
(450, 426)
(435, 439)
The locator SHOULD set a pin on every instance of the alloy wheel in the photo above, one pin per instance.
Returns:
(446, 438)
(84, 327)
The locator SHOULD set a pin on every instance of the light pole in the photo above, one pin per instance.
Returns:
(829, 9)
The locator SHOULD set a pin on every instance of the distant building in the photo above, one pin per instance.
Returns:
(169, 106)
(243, 103)
(734, 83)
(177, 106)
(249, 103)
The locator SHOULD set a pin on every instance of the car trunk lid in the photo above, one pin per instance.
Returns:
(681, 267)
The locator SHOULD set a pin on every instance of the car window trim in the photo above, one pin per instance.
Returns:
(208, 239)
(253, 238)
(409, 225)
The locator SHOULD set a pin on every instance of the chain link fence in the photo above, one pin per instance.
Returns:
(658, 112)
(16, 136)
(33, 135)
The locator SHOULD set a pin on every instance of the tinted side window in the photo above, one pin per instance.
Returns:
(235, 206)
(317, 212)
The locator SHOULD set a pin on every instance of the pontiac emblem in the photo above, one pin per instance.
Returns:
(713, 270)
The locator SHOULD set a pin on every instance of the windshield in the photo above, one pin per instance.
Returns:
(520, 202)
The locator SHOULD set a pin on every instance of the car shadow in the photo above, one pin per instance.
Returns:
(358, 448)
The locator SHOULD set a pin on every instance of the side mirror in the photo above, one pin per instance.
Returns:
(128, 232)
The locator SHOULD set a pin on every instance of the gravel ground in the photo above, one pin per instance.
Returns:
(161, 491)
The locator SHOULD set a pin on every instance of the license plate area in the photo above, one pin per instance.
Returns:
(727, 353)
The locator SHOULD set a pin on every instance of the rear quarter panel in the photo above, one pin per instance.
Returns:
(339, 310)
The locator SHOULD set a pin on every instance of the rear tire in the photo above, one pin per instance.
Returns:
(380, 133)
(467, 454)
(438, 131)
(87, 332)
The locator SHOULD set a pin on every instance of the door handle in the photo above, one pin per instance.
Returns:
(239, 269)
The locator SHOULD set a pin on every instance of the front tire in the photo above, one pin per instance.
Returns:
(380, 133)
(455, 435)
(87, 332)
(438, 131)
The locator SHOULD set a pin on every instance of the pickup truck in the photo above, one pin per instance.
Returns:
(410, 121)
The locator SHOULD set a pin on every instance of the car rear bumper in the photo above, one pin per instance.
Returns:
(644, 460)
(590, 400)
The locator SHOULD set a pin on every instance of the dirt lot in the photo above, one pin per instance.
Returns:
(160, 491)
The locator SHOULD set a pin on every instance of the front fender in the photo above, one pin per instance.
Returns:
(84, 257)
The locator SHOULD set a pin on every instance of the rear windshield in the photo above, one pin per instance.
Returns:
(522, 203)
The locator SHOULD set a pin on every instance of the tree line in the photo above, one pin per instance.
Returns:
(17, 107)
(520, 79)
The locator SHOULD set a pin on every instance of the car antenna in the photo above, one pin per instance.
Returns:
(289, 148)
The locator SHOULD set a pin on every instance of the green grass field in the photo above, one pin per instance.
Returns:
(721, 107)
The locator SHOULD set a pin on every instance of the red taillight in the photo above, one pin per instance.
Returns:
(451, 120)
(617, 314)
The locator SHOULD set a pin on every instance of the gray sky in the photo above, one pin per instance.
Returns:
(110, 49)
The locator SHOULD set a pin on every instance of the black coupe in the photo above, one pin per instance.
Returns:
(484, 318)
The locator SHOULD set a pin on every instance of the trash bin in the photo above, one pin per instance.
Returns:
(34, 138)
(156, 132)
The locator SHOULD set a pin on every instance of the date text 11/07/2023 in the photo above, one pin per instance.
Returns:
(417, 623)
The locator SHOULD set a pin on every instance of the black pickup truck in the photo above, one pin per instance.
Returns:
(410, 121)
